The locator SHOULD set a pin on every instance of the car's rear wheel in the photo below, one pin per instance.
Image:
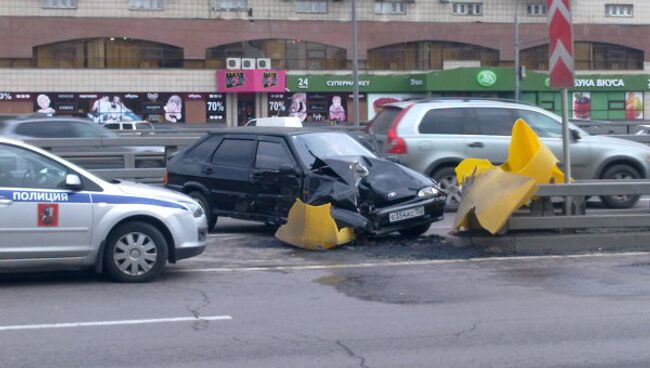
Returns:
(415, 230)
(207, 209)
(446, 178)
(135, 252)
(620, 172)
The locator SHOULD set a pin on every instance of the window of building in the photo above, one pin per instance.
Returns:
(390, 7)
(284, 54)
(311, 6)
(425, 55)
(229, 5)
(536, 9)
(146, 4)
(619, 10)
(108, 53)
(589, 56)
(467, 8)
(59, 4)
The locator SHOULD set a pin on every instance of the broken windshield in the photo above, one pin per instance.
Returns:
(323, 145)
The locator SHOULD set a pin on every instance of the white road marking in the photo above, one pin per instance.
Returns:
(112, 323)
(407, 263)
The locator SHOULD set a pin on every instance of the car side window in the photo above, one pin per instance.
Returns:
(127, 126)
(42, 129)
(203, 150)
(494, 121)
(443, 121)
(82, 130)
(272, 155)
(545, 126)
(234, 152)
(112, 126)
(21, 168)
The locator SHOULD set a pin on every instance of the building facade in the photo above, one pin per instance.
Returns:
(167, 60)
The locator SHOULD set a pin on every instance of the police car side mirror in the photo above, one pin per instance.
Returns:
(73, 182)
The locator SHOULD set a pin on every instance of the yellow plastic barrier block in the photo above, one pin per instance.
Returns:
(312, 227)
(498, 191)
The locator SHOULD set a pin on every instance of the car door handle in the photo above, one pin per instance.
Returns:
(206, 170)
(476, 145)
(5, 202)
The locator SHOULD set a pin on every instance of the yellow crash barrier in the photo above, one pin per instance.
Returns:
(312, 227)
(497, 191)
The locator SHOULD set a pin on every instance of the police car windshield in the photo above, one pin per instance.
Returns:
(323, 145)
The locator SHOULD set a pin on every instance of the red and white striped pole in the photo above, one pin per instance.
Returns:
(561, 65)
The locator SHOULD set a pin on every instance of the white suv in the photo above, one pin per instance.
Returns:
(433, 135)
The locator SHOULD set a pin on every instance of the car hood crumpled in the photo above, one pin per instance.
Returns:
(353, 181)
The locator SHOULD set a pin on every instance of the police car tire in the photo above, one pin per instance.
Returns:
(199, 197)
(140, 227)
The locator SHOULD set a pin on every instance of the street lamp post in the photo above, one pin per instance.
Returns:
(516, 48)
(355, 65)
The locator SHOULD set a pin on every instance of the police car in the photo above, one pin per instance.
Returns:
(54, 214)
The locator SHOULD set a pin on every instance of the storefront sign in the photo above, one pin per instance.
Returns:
(616, 82)
(367, 83)
(254, 80)
(216, 108)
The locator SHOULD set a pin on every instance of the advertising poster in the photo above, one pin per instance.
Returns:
(216, 108)
(377, 100)
(316, 108)
(581, 105)
(108, 107)
(634, 106)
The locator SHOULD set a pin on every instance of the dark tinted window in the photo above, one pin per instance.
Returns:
(112, 126)
(271, 155)
(234, 152)
(543, 125)
(443, 121)
(494, 121)
(44, 129)
(381, 123)
(82, 130)
(203, 150)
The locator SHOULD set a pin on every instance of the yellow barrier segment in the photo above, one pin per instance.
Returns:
(497, 191)
(312, 227)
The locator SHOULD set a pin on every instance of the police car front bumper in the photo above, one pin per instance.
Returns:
(191, 235)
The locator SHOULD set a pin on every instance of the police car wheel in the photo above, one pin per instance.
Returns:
(199, 197)
(135, 252)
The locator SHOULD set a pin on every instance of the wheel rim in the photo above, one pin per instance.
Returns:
(622, 176)
(449, 185)
(135, 254)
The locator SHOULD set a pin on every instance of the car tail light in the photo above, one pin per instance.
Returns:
(396, 144)
(166, 178)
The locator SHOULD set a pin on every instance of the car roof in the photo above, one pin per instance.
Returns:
(32, 119)
(462, 101)
(277, 131)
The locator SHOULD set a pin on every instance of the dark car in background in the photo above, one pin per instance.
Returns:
(29, 127)
(258, 173)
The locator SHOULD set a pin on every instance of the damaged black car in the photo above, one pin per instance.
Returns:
(258, 173)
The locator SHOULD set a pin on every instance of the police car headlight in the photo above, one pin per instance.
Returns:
(195, 208)
(428, 192)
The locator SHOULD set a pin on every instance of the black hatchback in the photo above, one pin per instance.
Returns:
(258, 173)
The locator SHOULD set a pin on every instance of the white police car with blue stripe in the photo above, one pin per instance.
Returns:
(54, 214)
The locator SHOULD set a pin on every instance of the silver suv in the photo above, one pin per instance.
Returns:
(433, 135)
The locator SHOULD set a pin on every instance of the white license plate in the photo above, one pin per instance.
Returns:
(406, 214)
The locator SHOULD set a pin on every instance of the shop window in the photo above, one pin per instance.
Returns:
(390, 7)
(229, 5)
(311, 6)
(467, 8)
(15, 63)
(108, 53)
(284, 54)
(146, 4)
(59, 4)
(424, 55)
(536, 9)
(619, 10)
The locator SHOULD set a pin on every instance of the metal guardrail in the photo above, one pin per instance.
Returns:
(542, 216)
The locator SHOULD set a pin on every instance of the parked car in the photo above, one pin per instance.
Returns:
(57, 215)
(69, 127)
(433, 135)
(277, 121)
(129, 126)
(257, 174)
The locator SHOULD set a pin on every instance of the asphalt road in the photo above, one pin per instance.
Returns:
(250, 301)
